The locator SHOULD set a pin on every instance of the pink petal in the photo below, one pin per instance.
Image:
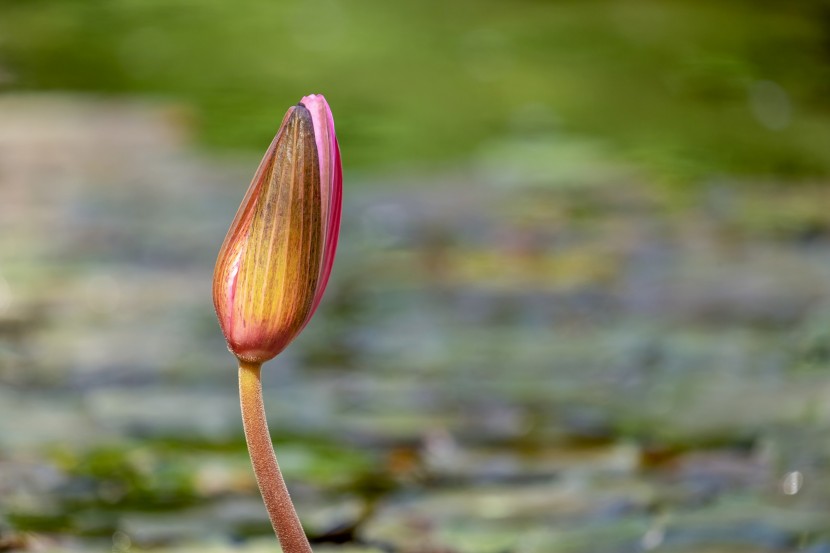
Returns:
(331, 179)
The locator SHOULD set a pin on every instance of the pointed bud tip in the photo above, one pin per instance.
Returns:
(300, 115)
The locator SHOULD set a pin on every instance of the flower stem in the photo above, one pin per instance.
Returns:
(277, 501)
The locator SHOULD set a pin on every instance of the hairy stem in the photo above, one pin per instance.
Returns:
(277, 501)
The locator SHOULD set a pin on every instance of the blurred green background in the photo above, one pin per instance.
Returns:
(581, 303)
(687, 89)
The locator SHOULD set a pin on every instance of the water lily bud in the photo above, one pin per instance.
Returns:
(275, 262)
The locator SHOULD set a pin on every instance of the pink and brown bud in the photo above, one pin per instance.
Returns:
(277, 256)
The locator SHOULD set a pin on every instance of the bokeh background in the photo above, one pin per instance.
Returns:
(582, 302)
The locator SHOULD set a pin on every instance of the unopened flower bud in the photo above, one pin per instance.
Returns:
(275, 262)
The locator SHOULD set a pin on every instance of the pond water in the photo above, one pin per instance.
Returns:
(499, 365)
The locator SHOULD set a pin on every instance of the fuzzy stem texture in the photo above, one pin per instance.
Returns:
(271, 484)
